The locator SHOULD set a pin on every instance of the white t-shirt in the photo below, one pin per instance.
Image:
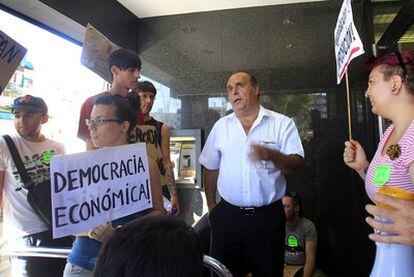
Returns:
(19, 217)
(241, 181)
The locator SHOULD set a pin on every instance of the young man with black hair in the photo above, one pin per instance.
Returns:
(301, 237)
(22, 226)
(160, 150)
(125, 68)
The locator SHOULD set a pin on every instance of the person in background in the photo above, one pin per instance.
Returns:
(112, 117)
(124, 66)
(391, 92)
(158, 246)
(301, 238)
(246, 156)
(22, 226)
(147, 92)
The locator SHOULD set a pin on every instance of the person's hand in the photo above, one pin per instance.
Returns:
(175, 206)
(260, 153)
(354, 156)
(102, 232)
(402, 217)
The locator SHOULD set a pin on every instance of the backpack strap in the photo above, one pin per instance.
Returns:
(27, 181)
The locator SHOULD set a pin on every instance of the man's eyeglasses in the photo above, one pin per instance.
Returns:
(100, 121)
(29, 115)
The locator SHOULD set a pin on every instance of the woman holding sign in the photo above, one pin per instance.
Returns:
(391, 92)
(111, 120)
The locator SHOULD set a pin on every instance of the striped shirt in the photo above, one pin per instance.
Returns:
(399, 175)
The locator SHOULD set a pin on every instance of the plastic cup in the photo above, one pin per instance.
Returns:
(395, 192)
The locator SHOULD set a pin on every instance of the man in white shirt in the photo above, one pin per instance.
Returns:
(21, 223)
(245, 157)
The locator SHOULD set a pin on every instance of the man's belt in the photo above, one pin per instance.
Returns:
(250, 210)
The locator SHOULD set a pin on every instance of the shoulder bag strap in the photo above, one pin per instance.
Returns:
(27, 181)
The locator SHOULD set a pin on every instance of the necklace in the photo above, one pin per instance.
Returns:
(393, 151)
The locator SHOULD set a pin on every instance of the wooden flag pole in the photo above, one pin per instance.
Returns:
(348, 101)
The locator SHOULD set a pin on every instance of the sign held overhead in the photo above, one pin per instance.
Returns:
(11, 54)
(348, 44)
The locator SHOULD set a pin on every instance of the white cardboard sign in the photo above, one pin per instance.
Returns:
(94, 187)
(348, 45)
(11, 54)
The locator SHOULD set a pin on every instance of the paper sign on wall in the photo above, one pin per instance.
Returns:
(94, 187)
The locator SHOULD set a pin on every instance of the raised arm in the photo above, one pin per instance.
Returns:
(355, 158)
(169, 166)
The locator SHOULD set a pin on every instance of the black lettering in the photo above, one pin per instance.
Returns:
(88, 211)
(71, 217)
(115, 196)
(140, 165)
(106, 207)
(132, 194)
(127, 195)
(95, 206)
(71, 180)
(122, 169)
(56, 182)
(96, 174)
(114, 168)
(58, 215)
(129, 167)
(85, 174)
(11, 53)
(103, 171)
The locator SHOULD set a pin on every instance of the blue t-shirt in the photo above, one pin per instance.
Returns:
(84, 252)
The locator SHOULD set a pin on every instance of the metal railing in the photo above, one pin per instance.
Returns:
(209, 262)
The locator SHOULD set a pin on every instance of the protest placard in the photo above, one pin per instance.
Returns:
(11, 54)
(95, 52)
(94, 187)
(348, 45)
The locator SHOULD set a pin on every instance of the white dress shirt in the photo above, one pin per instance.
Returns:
(241, 181)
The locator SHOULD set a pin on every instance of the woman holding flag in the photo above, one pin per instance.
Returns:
(391, 92)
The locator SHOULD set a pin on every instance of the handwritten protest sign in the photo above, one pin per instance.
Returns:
(348, 45)
(95, 52)
(94, 187)
(11, 53)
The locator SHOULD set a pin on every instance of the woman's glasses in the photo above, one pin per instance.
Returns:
(100, 121)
